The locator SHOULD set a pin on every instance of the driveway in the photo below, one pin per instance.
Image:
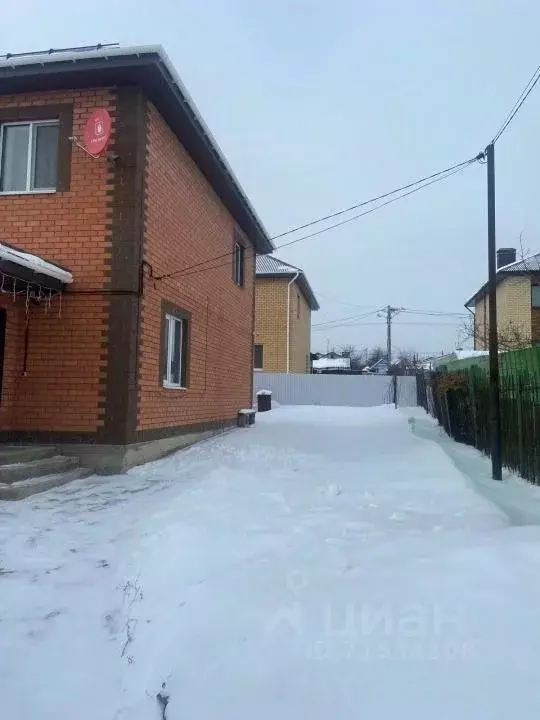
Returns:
(326, 563)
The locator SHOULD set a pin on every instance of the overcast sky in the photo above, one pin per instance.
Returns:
(319, 104)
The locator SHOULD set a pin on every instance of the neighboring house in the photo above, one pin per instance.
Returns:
(284, 301)
(456, 355)
(329, 365)
(378, 368)
(518, 303)
(107, 340)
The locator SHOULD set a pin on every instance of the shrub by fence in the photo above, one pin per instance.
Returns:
(460, 402)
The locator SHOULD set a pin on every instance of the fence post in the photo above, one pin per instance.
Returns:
(394, 389)
(473, 405)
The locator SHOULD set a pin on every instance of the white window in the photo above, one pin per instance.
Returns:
(29, 156)
(174, 349)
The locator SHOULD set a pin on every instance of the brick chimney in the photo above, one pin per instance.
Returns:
(505, 256)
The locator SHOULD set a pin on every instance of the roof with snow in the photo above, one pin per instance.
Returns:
(149, 68)
(526, 266)
(269, 266)
(332, 364)
(31, 268)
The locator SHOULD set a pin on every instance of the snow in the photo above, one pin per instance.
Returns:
(331, 363)
(35, 263)
(329, 562)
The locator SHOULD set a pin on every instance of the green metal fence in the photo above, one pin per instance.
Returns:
(461, 393)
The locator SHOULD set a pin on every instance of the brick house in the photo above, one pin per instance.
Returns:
(518, 303)
(118, 334)
(284, 301)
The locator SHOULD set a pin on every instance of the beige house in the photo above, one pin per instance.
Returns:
(283, 305)
(518, 303)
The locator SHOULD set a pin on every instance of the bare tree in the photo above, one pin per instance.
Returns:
(357, 356)
(524, 252)
(375, 354)
(511, 336)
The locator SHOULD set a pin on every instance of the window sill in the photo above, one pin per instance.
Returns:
(170, 386)
(258, 369)
(28, 192)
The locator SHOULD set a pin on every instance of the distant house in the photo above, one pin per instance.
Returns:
(284, 302)
(518, 303)
(378, 368)
(328, 364)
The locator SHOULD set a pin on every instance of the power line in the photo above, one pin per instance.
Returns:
(461, 167)
(368, 202)
(529, 87)
(382, 323)
(351, 317)
(436, 313)
(421, 184)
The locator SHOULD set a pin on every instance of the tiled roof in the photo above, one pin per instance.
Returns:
(268, 266)
(527, 265)
(530, 264)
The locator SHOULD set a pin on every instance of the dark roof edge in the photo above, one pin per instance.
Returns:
(302, 281)
(150, 68)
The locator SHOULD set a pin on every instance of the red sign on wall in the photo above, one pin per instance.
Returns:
(97, 131)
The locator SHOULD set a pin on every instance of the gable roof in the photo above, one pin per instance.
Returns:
(268, 266)
(526, 266)
(147, 67)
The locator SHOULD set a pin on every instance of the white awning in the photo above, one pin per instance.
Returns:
(35, 263)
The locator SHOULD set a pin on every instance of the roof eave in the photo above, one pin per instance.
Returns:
(151, 70)
(305, 287)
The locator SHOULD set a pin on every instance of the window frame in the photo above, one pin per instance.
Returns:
(533, 306)
(239, 263)
(30, 161)
(171, 313)
(255, 366)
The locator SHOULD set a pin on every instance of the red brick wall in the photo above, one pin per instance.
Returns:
(62, 387)
(186, 223)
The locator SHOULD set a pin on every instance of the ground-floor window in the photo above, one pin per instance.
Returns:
(175, 351)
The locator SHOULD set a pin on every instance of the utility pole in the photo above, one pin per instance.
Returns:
(390, 312)
(494, 390)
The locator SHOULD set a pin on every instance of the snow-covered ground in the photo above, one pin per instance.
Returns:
(328, 563)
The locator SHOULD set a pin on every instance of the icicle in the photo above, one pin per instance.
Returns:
(14, 288)
(59, 304)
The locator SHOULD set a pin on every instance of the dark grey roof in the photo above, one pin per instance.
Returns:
(530, 265)
(268, 266)
(147, 67)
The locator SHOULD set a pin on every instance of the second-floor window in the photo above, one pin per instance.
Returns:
(238, 264)
(535, 296)
(258, 357)
(29, 156)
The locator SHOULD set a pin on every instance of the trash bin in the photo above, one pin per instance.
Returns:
(264, 400)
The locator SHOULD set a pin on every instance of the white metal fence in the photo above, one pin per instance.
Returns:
(351, 390)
